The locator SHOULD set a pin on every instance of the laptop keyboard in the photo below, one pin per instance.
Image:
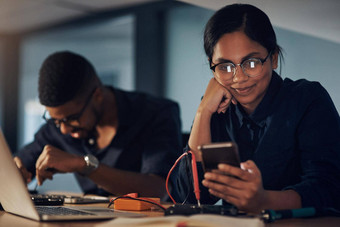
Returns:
(44, 210)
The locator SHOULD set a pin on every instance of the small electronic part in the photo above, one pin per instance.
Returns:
(190, 209)
(135, 205)
(85, 199)
(47, 200)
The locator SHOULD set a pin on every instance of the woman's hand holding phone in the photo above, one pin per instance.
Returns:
(239, 186)
(227, 178)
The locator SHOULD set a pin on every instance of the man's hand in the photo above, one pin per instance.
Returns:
(53, 160)
(239, 186)
(24, 172)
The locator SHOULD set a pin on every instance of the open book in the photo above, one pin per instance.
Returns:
(198, 220)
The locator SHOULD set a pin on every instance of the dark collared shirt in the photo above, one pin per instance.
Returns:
(294, 138)
(148, 139)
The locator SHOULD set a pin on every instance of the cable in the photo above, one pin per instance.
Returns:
(194, 176)
(167, 178)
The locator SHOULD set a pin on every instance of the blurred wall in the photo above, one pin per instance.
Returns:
(311, 58)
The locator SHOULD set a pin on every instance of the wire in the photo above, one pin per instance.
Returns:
(194, 176)
(167, 178)
(138, 199)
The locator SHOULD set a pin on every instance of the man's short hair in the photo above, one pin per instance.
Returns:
(63, 76)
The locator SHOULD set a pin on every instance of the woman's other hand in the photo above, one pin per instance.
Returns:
(216, 98)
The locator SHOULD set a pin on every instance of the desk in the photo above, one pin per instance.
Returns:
(11, 220)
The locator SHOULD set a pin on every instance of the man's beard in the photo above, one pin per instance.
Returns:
(87, 133)
(91, 133)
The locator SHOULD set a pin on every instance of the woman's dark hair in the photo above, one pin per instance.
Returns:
(240, 17)
(64, 76)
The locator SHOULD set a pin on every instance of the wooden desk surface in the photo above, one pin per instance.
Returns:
(11, 220)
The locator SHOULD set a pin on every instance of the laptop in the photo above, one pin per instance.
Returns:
(15, 198)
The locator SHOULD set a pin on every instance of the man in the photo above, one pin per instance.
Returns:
(114, 141)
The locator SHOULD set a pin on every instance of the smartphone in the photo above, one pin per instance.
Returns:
(215, 153)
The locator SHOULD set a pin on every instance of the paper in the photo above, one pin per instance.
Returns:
(199, 220)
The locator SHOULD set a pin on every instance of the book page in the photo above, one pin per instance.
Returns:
(198, 220)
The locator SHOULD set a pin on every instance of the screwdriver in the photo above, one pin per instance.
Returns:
(273, 215)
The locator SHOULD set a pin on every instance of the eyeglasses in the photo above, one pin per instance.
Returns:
(70, 120)
(251, 67)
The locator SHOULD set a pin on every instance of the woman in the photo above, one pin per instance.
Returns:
(288, 132)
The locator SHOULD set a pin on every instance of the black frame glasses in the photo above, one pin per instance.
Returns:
(234, 69)
(71, 118)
